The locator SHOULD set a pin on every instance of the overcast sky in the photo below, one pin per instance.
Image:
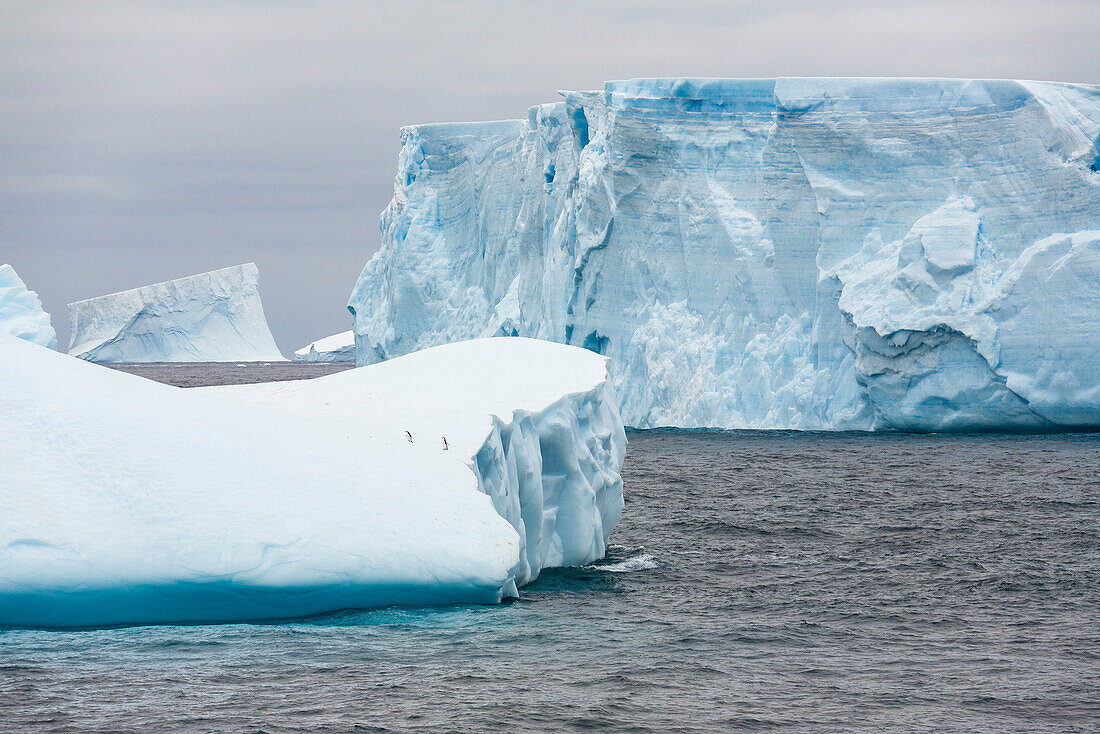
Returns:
(144, 141)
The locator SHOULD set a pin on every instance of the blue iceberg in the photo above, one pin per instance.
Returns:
(916, 254)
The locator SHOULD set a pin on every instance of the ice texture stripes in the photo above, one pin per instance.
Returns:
(919, 254)
(211, 317)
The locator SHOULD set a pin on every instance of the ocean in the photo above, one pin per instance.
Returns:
(758, 581)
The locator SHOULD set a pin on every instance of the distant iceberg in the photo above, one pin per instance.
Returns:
(919, 254)
(449, 476)
(21, 312)
(336, 348)
(212, 317)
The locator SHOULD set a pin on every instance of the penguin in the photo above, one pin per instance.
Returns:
(445, 446)
(409, 436)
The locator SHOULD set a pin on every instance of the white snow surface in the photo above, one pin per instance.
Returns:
(123, 500)
(918, 254)
(210, 317)
(336, 348)
(21, 312)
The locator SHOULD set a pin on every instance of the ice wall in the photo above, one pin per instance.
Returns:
(21, 312)
(211, 317)
(916, 254)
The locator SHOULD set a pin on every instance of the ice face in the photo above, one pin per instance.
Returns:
(336, 348)
(162, 504)
(21, 312)
(212, 317)
(786, 253)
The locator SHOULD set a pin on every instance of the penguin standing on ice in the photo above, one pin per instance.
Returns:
(409, 436)
(445, 446)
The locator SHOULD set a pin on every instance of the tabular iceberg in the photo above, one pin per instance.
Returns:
(123, 500)
(21, 312)
(211, 317)
(913, 254)
(336, 348)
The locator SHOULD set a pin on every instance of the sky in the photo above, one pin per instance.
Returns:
(145, 141)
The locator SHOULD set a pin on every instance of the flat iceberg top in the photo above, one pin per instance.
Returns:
(210, 317)
(336, 348)
(21, 312)
(123, 500)
(452, 390)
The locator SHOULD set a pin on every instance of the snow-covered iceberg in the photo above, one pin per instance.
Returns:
(336, 348)
(917, 254)
(123, 500)
(536, 422)
(211, 317)
(21, 312)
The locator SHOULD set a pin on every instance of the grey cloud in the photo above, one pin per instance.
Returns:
(142, 141)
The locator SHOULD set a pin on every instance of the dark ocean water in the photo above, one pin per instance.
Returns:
(759, 581)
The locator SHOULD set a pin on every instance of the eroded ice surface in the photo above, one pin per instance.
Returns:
(124, 500)
(211, 317)
(21, 312)
(336, 348)
(787, 253)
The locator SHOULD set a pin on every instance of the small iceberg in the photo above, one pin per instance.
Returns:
(336, 348)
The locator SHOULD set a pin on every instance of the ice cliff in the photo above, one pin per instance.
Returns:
(21, 312)
(914, 254)
(336, 348)
(123, 500)
(212, 317)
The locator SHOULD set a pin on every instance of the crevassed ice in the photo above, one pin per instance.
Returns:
(21, 312)
(123, 500)
(917, 254)
(210, 317)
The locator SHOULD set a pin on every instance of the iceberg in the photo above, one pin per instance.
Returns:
(211, 317)
(21, 312)
(819, 254)
(536, 422)
(299, 505)
(336, 348)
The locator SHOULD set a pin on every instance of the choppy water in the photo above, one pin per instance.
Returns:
(760, 581)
